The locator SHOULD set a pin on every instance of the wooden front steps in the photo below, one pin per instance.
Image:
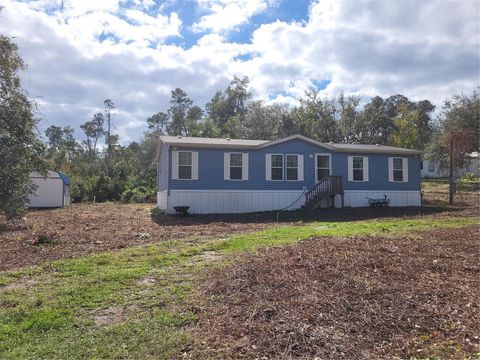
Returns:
(324, 191)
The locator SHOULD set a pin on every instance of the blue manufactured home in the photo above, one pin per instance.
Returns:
(234, 176)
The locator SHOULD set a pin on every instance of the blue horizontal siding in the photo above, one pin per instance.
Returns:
(210, 170)
(377, 172)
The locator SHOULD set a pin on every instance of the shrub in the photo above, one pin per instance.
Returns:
(469, 182)
(138, 194)
(470, 177)
(101, 188)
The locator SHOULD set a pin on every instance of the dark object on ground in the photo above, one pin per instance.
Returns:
(182, 210)
(379, 203)
(409, 296)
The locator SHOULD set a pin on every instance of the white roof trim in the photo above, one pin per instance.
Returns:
(298, 137)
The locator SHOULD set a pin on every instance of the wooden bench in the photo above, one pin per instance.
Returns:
(182, 210)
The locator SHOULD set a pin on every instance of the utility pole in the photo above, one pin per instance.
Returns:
(108, 109)
(452, 180)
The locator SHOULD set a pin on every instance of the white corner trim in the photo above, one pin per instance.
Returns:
(174, 164)
(390, 169)
(366, 169)
(268, 167)
(226, 166)
(245, 166)
(194, 165)
(405, 169)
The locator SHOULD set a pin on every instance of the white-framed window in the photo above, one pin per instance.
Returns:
(287, 167)
(397, 169)
(292, 167)
(235, 166)
(184, 165)
(358, 168)
(274, 167)
(431, 166)
(277, 167)
(322, 166)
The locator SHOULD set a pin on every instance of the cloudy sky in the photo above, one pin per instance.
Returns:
(80, 52)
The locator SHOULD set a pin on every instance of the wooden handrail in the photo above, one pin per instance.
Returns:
(329, 185)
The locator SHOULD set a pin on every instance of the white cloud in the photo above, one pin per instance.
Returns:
(423, 49)
(145, 4)
(225, 15)
(83, 22)
(374, 47)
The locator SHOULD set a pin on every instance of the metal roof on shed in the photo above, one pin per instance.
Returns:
(51, 174)
(65, 178)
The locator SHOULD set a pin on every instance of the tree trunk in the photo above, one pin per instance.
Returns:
(108, 143)
(451, 189)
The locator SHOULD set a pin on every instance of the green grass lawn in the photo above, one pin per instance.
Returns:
(138, 303)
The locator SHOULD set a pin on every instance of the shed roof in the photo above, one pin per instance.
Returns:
(200, 142)
(51, 174)
(65, 178)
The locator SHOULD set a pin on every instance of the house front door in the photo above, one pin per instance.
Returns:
(323, 166)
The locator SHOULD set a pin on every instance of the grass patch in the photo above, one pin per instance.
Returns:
(50, 311)
(290, 234)
(442, 184)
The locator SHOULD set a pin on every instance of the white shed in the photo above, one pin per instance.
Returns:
(51, 190)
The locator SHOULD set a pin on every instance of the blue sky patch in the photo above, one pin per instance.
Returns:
(321, 84)
(286, 10)
(244, 57)
(276, 94)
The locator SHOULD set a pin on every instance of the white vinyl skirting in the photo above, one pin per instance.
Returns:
(221, 201)
(214, 202)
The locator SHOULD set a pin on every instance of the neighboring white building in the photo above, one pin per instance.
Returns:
(431, 169)
(51, 190)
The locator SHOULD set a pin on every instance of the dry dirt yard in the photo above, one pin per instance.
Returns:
(83, 229)
(337, 283)
(408, 297)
